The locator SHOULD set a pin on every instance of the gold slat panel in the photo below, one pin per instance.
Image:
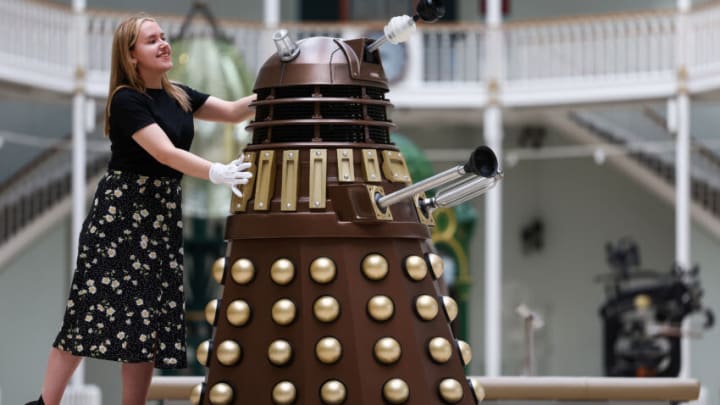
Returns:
(346, 168)
(371, 166)
(288, 192)
(318, 178)
(265, 180)
(240, 204)
(394, 167)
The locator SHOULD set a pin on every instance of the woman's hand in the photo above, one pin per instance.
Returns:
(232, 174)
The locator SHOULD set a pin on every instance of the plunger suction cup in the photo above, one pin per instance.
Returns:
(482, 162)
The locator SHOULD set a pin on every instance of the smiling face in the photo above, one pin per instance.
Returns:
(151, 53)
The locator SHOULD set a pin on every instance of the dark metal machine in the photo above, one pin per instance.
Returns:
(644, 313)
(330, 280)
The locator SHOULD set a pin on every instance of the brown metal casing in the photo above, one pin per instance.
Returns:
(322, 116)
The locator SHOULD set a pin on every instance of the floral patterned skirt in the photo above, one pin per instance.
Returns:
(126, 299)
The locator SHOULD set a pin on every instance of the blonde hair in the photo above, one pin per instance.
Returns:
(123, 72)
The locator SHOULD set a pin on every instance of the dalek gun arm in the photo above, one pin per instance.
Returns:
(456, 185)
(400, 29)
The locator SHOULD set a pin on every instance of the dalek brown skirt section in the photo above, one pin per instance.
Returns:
(329, 297)
(333, 302)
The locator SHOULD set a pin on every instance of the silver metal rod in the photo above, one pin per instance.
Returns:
(463, 192)
(375, 45)
(421, 186)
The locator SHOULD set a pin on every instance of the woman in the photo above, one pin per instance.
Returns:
(126, 300)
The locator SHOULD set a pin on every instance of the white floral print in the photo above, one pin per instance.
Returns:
(126, 300)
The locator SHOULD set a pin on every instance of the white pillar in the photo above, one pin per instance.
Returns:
(271, 13)
(79, 143)
(682, 183)
(493, 252)
(682, 167)
(492, 125)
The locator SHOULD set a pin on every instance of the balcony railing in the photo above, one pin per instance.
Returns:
(605, 58)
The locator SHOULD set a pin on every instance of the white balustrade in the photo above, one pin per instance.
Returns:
(544, 61)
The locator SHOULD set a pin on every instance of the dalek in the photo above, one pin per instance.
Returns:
(330, 285)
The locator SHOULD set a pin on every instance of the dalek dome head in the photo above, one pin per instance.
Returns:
(321, 61)
(321, 89)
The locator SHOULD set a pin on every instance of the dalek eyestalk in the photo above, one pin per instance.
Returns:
(287, 49)
(482, 163)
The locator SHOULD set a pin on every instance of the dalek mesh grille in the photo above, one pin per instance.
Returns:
(299, 114)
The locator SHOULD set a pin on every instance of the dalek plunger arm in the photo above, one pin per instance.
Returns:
(400, 28)
(475, 177)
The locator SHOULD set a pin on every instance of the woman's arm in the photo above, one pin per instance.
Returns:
(215, 109)
(154, 140)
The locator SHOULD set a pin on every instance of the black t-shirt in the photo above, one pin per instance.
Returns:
(131, 111)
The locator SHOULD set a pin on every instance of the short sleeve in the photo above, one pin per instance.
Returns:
(130, 111)
(197, 98)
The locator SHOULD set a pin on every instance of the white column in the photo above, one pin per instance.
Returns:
(271, 13)
(79, 144)
(492, 125)
(493, 252)
(682, 167)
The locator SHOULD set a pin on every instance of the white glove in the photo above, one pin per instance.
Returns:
(232, 174)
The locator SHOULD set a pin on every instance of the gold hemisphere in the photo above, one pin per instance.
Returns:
(451, 390)
(242, 271)
(440, 349)
(326, 309)
(238, 313)
(380, 308)
(228, 353)
(375, 266)
(416, 267)
(196, 394)
(427, 307)
(465, 351)
(436, 263)
(279, 352)
(333, 392)
(328, 350)
(218, 269)
(451, 307)
(282, 272)
(284, 393)
(396, 391)
(211, 311)
(283, 312)
(221, 394)
(478, 389)
(202, 352)
(322, 270)
(387, 350)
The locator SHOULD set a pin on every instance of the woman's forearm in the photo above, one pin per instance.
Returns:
(187, 163)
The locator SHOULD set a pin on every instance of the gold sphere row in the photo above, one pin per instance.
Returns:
(282, 271)
(334, 392)
(322, 270)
